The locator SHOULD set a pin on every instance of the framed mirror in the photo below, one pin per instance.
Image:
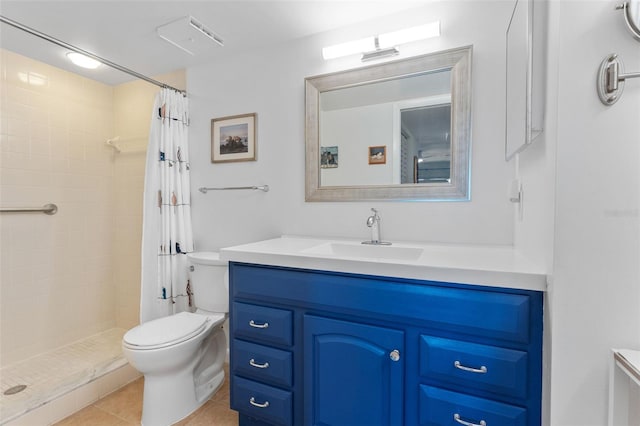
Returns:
(399, 130)
(631, 10)
(524, 70)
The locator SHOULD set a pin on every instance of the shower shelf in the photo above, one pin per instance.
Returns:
(131, 144)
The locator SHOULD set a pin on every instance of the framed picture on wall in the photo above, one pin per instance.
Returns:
(378, 154)
(233, 138)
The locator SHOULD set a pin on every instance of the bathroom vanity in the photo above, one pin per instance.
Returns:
(336, 333)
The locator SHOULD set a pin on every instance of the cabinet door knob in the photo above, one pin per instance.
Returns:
(395, 355)
(253, 402)
(255, 325)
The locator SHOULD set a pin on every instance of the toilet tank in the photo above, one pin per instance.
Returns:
(209, 280)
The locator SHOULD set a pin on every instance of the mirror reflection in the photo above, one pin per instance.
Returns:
(425, 148)
(397, 130)
(406, 122)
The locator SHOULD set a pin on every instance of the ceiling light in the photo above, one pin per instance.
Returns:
(83, 61)
(383, 44)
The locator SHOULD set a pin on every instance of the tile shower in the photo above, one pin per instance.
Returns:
(69, 283)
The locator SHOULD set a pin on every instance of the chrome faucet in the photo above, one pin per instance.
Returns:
(373, 222)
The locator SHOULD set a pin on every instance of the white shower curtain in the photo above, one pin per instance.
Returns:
(166, 230)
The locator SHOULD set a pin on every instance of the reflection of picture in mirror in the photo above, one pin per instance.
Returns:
(328, 157)
(377, 154)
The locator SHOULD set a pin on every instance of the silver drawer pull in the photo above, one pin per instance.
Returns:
(254, 325)
(480, 370)
(252, 362)
(457, 418)
(253, 402)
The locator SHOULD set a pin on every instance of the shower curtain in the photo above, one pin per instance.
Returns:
(166, 230)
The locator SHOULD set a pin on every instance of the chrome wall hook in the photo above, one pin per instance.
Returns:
(611, 78)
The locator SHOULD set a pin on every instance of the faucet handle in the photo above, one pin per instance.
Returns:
(371, 220)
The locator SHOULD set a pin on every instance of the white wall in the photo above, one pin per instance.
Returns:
(593, 243)
(353, 144)
(270, 82)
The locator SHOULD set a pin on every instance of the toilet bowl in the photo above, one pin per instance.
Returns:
(182, 356)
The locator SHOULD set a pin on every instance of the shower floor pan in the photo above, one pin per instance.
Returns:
(53, 374)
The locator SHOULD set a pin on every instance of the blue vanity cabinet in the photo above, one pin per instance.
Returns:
(324, 348)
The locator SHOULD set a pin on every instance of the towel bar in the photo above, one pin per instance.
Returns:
(264, 188)
(46, 209)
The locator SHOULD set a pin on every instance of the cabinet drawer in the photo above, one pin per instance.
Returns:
(488, 368)
(263, 402)
(440, 407)
(492, 314)
(262, 363)
(268, 325)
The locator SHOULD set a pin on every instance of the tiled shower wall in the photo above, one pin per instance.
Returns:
(75, 273)
(56, 271)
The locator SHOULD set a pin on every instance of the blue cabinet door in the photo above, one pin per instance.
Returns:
(353, 373)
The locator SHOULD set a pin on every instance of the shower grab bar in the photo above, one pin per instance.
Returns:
(46, 209)
(264, 188)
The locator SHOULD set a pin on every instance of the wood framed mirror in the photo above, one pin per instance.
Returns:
(416, 112)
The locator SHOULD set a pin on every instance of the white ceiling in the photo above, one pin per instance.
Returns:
(124, 32)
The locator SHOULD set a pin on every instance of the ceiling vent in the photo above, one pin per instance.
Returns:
(190, 35)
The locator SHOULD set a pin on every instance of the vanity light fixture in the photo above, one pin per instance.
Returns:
(83, 61)
(382, 45)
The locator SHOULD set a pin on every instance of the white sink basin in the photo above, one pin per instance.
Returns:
(366, 251)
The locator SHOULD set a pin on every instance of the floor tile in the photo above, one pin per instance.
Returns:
(125, 403)
(124, 408)
(217, 414)
(93, 416)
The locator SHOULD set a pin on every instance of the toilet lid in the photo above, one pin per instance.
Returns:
(166, 331)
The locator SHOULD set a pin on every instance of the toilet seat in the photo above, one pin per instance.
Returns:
(167, 331)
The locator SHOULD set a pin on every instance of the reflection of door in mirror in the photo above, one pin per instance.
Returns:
(425, 136)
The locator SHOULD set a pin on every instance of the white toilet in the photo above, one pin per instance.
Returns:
(182, 355)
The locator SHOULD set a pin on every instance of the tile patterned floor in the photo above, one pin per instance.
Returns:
(54, 373)
(124, 408)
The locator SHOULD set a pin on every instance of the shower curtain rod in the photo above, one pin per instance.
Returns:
(84, 52)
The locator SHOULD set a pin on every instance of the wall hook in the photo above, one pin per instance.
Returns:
(611, 78)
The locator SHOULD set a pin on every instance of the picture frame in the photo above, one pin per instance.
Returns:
(378, 154)
(328, 157)
(233, 138)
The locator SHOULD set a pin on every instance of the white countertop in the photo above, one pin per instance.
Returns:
(495, 266)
